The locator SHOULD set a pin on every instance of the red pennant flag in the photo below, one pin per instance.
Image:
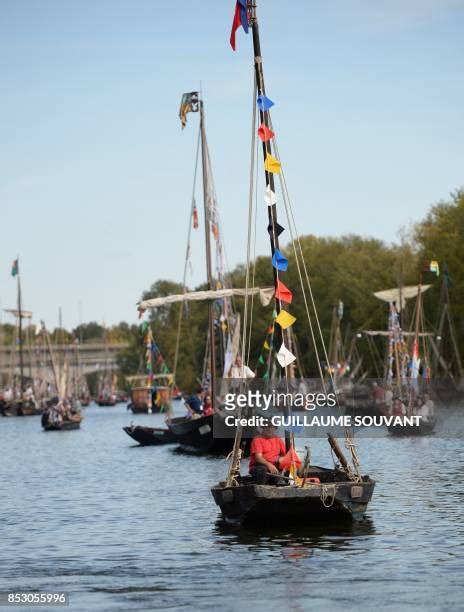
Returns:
(195, 217)
(283, 293)
(265, 133)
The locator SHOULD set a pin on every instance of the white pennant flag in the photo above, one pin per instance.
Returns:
(284, 356)
(270, 197)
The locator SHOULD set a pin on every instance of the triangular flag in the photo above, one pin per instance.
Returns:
(274, 314)
(272, 164)
(277, 229)
(266, 345)
(284, 356)
(264, 103)
(279, 261)
(261, 360)
(285, 319)
(283, 293)
(265, 133)
(270, 197)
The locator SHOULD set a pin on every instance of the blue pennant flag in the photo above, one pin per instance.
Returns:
(279, 261)
(264, 103)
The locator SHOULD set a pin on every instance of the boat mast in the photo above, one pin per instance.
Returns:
(20, 330)
(266, 147)
(209, 274)
(415, 346)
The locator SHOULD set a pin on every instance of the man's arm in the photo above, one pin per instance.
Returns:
(270, 466)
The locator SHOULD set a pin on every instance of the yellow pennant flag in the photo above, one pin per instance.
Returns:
(272, 164)
(285, 319)
(266, 345)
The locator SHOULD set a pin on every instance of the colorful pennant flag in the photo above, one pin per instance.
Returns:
(431, 266)
(272, 164)
(265, 133)
(195, 216)
(15, 268)
(240, 19)
(279, 261)
(266, 345)
(285, 319)
(270, 196)
(261, 360)
(284, 356)
(264, 103)
(276, 230)
(283, 293)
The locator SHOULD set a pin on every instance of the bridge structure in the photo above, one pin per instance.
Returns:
(82, 358)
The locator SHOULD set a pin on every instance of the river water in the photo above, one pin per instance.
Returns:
(121, 527)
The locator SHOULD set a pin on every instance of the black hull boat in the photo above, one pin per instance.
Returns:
(425, 428)
(106, 402)
(197, 436)
(335, 496)
(64, 425)
(150, 436)
(21, 408)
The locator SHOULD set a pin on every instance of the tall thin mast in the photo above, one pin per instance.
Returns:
(20, 316)
(209, 274)
(272, 210)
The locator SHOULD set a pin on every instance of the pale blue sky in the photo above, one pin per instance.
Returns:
(95, 173)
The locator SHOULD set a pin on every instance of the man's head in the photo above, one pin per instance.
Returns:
(238, 361)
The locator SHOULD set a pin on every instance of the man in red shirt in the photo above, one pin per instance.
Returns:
(265, 454)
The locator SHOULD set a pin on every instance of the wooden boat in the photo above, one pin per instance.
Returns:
(142, 401)
(425, 428)
(334, 496)
(106, 400)
(315, 493)
(21, 408)
(150, 436)
(197, 436)
(64, 425)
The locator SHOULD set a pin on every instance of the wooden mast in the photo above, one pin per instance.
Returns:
(20, 331)
(269, 177)
(209, 274)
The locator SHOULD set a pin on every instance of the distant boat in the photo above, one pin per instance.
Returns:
(19, 401)
(57, 419)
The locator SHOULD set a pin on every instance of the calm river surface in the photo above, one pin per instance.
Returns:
(121, 527)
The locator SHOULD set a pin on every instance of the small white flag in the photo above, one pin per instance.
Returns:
(270, 197)
(284, 356)
(38, 329)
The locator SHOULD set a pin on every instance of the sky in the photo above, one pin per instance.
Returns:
(96, 174)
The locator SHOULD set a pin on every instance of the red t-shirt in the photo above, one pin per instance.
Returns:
(270, 448)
